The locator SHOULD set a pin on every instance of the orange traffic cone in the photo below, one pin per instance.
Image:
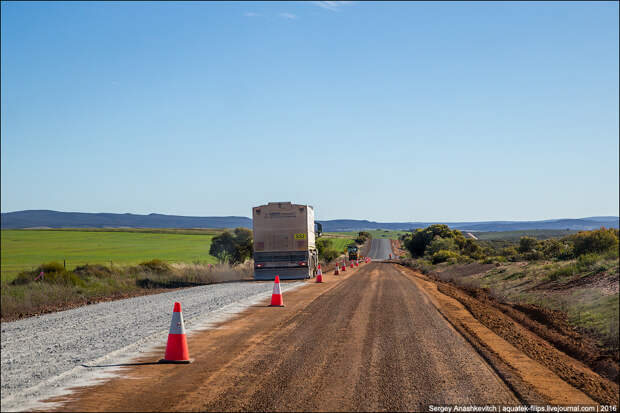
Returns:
(352, 264)
(336, 272)
(276, 297)
(176, 348)
(357, 264)
(319, 275)
(344, 266)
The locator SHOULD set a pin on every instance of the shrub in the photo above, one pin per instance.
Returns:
(527, 244)
(23, 278)
(533, 255)
(567, 271)
(53, 273)
(438, 244)
(587, 261)
(422, 237)
(156, 266)
(325, 250)
(494, 259)
(96, 270)
(509, 252)
(443, 256)
(597, 241)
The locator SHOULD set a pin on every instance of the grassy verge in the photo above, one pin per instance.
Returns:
(31, 293)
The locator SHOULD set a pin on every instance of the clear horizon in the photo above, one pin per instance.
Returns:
(392, 112)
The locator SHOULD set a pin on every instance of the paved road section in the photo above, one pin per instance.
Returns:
(380, 249)
(366, 341)
(43, 355)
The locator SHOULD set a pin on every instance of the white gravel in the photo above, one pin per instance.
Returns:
(44, 356)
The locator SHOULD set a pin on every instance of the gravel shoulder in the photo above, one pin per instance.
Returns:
(45, 355)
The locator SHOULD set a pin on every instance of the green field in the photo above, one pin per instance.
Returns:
(340, 243)
(25, 249)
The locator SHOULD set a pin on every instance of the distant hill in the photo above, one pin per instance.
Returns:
(55, 219)
(562, 224)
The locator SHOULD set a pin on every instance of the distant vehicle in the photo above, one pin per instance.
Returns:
(284, 241)
(353, 252)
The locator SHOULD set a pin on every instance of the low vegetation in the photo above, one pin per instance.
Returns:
(576, 273)
(51, 287)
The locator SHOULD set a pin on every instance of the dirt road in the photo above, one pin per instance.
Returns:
(370, 340)
(380, 249)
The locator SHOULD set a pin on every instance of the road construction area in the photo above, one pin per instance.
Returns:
(367, 339)
(375, 337)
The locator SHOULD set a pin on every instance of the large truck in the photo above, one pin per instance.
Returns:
(284, 241)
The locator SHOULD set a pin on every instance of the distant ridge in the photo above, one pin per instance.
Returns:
(55, 219)
(578, 224)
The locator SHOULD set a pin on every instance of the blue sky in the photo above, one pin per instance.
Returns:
(381, 111)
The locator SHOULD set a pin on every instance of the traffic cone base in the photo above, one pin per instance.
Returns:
(176, 347)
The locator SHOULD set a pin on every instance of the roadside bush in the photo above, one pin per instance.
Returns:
(53, 273)
(587, 262)
(325, 250)
(494, 259)
(471, 248)
(527, 244)
(95, 270)
(23, 278)
(533, 255)
(444, 255)
(422, 237)
(156, 266)
(597, 241)
(552, 248)
(438, 244)
(509, 252)
(567, 271)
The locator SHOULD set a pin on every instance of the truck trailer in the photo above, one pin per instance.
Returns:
(284, 241)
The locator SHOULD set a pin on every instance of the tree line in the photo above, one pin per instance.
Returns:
(438, 243)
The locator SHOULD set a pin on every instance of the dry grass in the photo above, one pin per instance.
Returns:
(60, 289)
